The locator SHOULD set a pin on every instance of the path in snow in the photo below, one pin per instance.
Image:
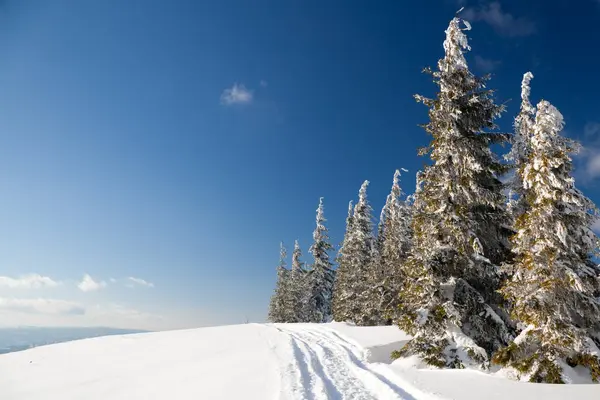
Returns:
(326, 366)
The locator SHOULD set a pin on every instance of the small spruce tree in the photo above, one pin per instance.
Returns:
(341, 290)
(277, 306)
(321, 277)
(394, 242)
(297, 286)
(358, 252)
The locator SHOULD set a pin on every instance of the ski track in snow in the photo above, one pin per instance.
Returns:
(326, 366)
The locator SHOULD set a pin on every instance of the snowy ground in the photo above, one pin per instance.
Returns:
(251, 362)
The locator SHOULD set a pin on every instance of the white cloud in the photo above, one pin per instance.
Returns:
(591, 130)
(486, 64)
(31, 281)
(140, 281)
(54, 312)
(88, 284)
(592, 164)
(503, 23)
(237, 94)
(121, 311)
(589, 156)
(41, 306)
(596, 226)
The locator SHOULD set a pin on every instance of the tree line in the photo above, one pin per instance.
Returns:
(478, 270)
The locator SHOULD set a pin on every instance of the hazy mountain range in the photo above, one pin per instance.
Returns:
(21, 338)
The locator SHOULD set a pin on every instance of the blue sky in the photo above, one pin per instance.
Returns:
(164, 148)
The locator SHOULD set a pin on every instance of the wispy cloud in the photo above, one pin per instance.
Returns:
(114, 310)
(588, 159)
(486, 64)
(596, 225)
(503, 23)
(88, 284)
(42, 306)
(237, 94)
(264, 83)
(591, 130)
(31, 281)
(592, 165)
(139, 281)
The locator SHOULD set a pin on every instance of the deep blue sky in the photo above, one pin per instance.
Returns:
(123, 155)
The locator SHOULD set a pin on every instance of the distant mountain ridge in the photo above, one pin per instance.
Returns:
(25, 337)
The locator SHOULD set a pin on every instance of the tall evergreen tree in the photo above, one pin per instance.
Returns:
(297, 287)
(359, 251)
(321, 277)
(555, 286)
(341, 290)
(394, 242)
(277, 306)
(460, 222)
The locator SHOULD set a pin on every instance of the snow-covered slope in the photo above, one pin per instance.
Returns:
(254, 361)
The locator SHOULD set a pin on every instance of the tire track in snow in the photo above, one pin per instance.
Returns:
(304, 378)
(294, 372)
(322, 387)
(373, 382)
(330, 367)
(354, 355)
(337, 363)
(303, 374)
(289, 366)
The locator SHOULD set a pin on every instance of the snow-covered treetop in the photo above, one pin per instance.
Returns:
(397, 178)
(296, 263)
(392, 202)
(282, 255)
(455, 44)
(396, 190)
(349, 218)
(548, 123)
(523, 124)
(526, 91)
(321, 243)
(362, 219)
(362, 193)
(320, 220)
(550, 150)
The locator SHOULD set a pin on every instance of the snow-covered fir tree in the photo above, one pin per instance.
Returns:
(340, 289)
(349, 219)
(277, 306)
(370, 283)
(354, 287)
(296, 288)
(520, 147)
(555, 287)
(394, 242)
(460, 223)
(321, 276)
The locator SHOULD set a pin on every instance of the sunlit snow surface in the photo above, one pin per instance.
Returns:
(251, 362)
